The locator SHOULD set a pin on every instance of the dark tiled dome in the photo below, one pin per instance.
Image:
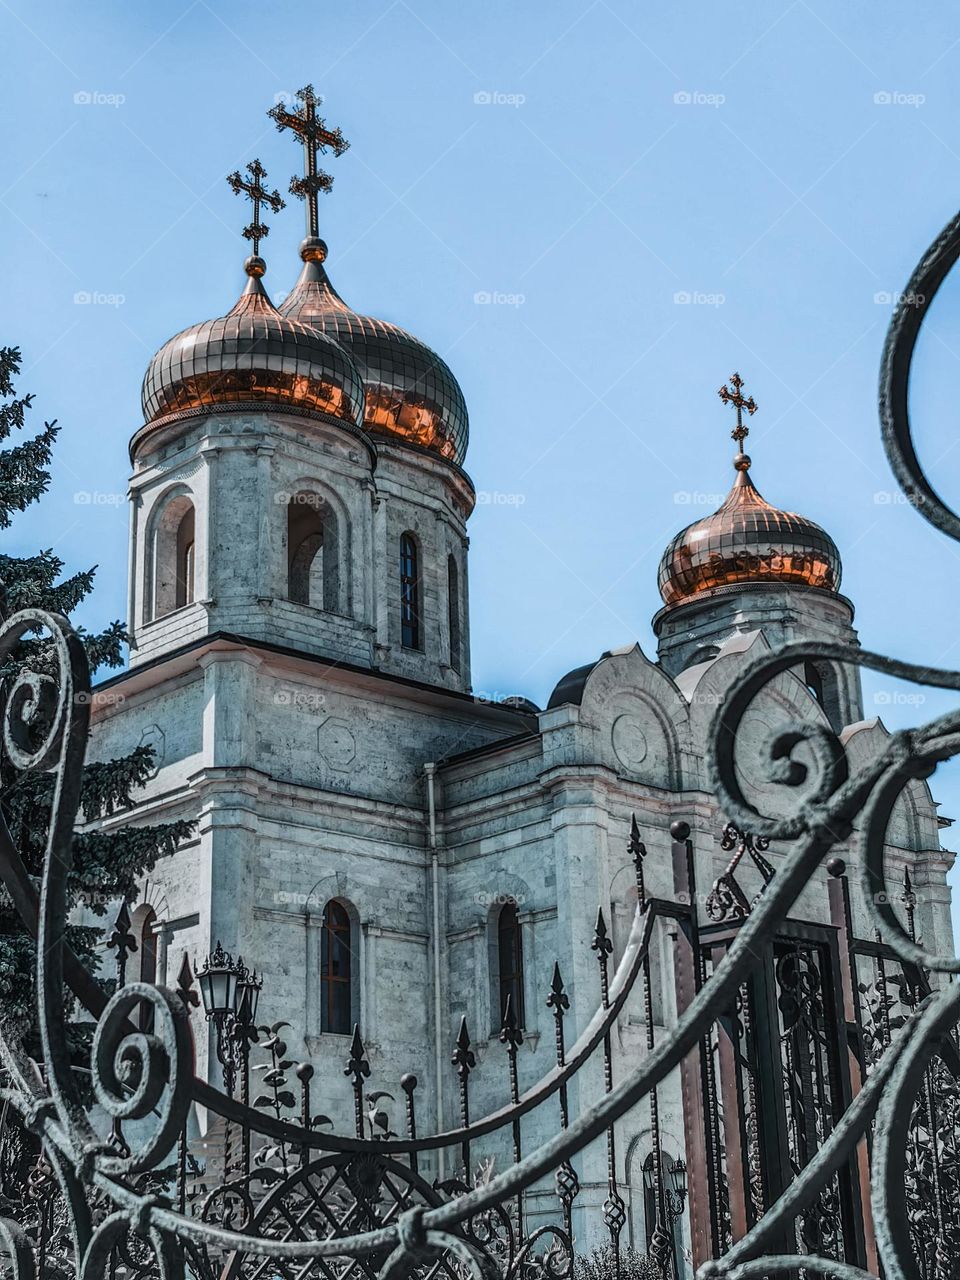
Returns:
(253, 353)
(410, 393)
(747, 541)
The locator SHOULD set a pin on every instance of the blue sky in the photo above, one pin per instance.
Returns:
(588, 166)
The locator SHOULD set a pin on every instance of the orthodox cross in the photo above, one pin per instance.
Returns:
(255, 191)
(739, 402)
(316, 138)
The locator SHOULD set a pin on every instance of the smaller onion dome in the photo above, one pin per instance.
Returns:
(253, 354)
(411, 394)
(747, 541)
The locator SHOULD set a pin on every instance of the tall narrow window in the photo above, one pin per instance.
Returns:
(453, 611)
(410, 631)
(171, 562)
(510, 961)
(144, 924)
(335, 970)
(313, 555)
(813, 679)
(185, 558)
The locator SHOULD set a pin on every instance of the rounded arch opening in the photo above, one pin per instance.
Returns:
(314, 560)
(339, 968)
(411, 592)
(172, 569)
(509, 963)
(454, 626)
(823, 685)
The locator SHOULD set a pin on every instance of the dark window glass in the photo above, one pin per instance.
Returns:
(410, 632)
(148, 963)
(335, 970)
(813, 680)
(453, 611)
(510, 961)
(185, 559)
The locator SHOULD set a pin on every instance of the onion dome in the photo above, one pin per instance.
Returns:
(253, 354)
(410, 393)
(747, 541)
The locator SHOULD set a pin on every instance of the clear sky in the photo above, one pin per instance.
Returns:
(650, 196)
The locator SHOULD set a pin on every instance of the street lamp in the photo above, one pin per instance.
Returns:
(218, 981)
(230, 993)
(677, 1191)
(249, 987)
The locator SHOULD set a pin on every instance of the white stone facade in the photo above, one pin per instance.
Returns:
(300, 739)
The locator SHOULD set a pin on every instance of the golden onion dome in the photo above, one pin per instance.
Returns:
(410, 393)
(747, 541)
(253, 354)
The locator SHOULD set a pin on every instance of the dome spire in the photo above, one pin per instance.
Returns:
(739, 401)
(256, 192)
(317, 139)
(747, 541)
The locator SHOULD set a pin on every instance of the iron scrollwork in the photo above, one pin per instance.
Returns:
(106, 1211)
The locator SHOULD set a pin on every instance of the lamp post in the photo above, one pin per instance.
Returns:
(230, 993)
(670, 1197)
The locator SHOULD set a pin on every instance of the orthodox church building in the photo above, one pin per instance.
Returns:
(385, 849)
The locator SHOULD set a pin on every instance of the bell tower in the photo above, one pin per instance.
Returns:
(752, 567)
(298, 479)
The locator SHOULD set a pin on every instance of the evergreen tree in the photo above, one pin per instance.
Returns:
(107, 865)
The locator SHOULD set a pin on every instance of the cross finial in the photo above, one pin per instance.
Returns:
(253, 188)
(316, 139)
(739, 402)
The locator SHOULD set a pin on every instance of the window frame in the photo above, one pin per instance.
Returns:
(336, 943)
(411, 621)
(510, 979)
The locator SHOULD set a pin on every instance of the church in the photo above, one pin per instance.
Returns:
(386, 850)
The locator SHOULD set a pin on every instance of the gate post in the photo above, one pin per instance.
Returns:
(838, 891)
(700, 1161)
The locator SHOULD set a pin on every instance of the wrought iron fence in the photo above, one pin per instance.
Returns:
(818, 1071)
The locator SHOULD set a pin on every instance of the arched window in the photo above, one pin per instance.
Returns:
(336, 970)
(186, 531)
(173, 559)
(313, 560)
(813, 680)
(453, 611)
(411, 636)
(510, 961)
(144, 922)
(821, 681)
